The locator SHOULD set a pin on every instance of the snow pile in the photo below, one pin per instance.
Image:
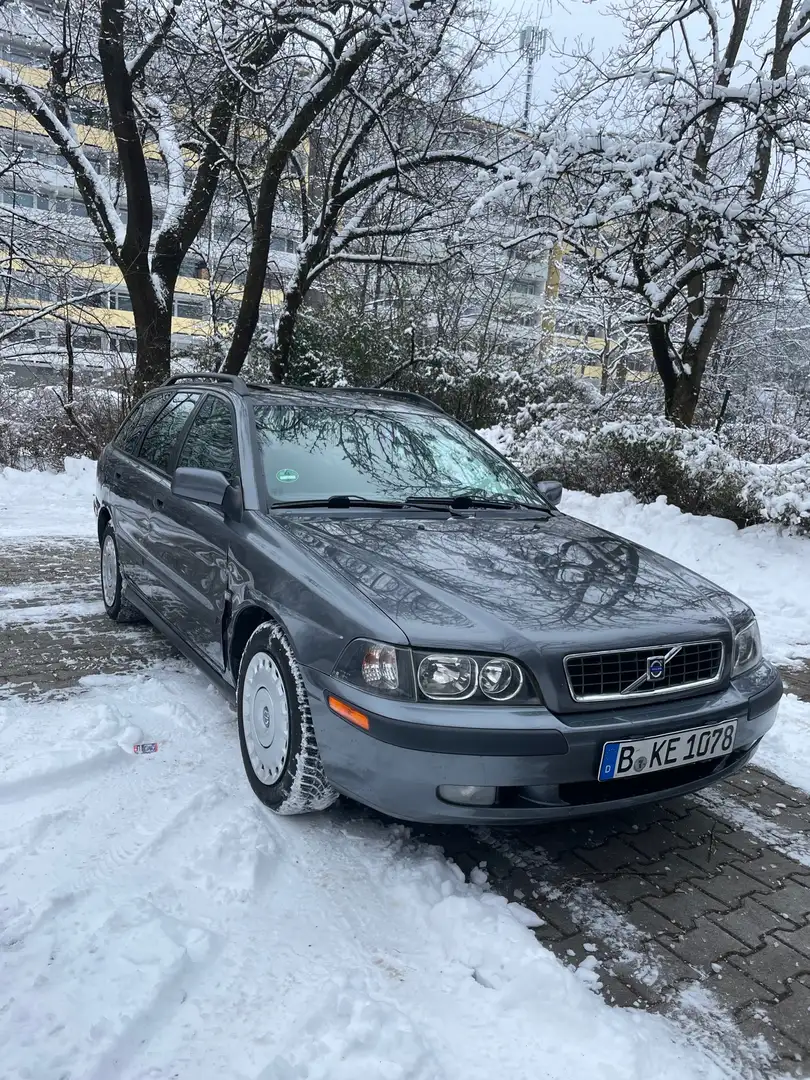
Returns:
(200, 937)
(45, 504)
(785, 750)
(762, 567)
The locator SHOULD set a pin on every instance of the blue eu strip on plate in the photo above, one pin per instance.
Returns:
(607, 769)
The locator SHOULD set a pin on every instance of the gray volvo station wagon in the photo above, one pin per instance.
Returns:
(406, 619)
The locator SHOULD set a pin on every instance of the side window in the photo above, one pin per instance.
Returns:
(129, 437)
(162, 435)
(211, 440)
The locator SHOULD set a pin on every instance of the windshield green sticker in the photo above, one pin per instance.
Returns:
(286, 476)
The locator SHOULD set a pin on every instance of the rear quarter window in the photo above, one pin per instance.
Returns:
(132, 430)
(160, 440)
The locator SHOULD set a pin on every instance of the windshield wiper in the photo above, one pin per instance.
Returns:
(471, 502)
(412, 502)
(341, 502)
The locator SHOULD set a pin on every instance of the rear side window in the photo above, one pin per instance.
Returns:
(129, 437)
(159, 441)
(211, 440)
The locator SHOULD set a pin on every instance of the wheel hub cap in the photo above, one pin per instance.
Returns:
(266, 719)
(109, 570)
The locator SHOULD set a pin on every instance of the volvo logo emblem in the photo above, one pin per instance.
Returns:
(656, 667)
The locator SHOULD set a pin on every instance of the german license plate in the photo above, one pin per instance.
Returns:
(623, 759)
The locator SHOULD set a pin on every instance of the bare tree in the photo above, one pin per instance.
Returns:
(677, 163)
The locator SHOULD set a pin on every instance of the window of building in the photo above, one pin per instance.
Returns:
(190, 309)
(160, 439)
(526, 288)
(283, 243)
(211, 440)
(120, 301)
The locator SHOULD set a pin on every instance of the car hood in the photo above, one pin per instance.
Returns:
(501, 582)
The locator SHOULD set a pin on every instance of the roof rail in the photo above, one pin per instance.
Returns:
(235, 381)
(372, 391)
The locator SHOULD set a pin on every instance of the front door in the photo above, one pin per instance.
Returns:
(190, 541)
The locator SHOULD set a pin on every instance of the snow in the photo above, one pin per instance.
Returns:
(45, 504)
(785, 750)
(764, 566)
(158, 921)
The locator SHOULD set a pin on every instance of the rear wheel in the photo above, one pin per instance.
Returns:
(276, 736)
(117, 607)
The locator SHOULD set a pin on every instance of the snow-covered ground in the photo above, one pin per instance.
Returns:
(156, 920)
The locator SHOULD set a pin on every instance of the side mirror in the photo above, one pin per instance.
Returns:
(208, 486)
(551, 490)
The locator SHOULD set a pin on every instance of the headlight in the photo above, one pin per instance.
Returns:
(475, 679)
(500, 679)
(378, 667)
(747, 649)
(447, 676)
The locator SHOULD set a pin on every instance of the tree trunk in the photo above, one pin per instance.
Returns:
(280, 362)
(153, 333)
(680, 400)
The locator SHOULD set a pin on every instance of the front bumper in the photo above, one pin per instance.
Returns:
(543, 766)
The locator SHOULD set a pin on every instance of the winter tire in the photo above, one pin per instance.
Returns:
(276, 736)
(117, 607)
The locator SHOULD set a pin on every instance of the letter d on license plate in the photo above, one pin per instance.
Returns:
(623, 759)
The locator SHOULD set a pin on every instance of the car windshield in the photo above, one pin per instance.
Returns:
(314, 452)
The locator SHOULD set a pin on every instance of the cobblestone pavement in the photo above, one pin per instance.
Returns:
(698, 908)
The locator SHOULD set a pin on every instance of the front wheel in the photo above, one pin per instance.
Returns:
(276, 736)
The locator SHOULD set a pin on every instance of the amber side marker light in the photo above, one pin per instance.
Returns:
(354, 716)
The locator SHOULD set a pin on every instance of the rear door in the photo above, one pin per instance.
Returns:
(155, 461)
(129, 488)
(191, 541)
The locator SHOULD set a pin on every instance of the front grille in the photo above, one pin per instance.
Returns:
(603, 675)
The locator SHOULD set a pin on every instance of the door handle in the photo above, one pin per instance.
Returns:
(158, 502)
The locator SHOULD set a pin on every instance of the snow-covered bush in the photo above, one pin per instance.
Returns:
(37, 431)
(567, 436)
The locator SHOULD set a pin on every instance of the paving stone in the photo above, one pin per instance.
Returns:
(698, 826)
(729, 886)
(770, 868)
(791, 1015)
(751, 922)
(711, 856)
(685, 906)
(792, 900)
(734, 989)
(791, 1057)
(705, 945)
(773, 799)
(775, 965)
(558, 916)
(657, 840)
(776, 783)
(618, 993)
(625, 889)
(796, 939)
(645, 918)
(612, 856)
(672, 872)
